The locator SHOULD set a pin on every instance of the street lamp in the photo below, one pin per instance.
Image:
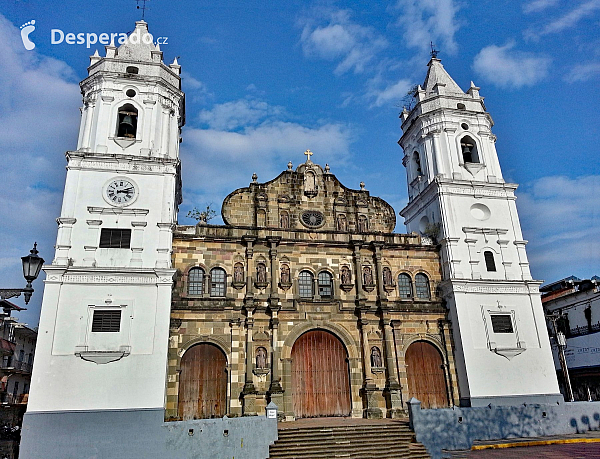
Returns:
(32, 264)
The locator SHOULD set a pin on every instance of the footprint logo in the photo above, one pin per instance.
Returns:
(26, 29)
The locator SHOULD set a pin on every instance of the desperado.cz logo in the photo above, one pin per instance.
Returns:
(57, 37)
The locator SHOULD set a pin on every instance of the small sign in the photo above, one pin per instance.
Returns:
(271, 414)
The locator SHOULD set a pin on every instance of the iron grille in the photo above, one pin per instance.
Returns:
(106, 321)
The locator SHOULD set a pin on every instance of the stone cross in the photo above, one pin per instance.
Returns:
(308, 154)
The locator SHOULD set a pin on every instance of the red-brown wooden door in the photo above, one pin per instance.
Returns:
(320, 379)
(426, 378)
(203, 383)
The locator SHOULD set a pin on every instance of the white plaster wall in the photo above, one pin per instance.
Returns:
(489, 374)
(62, 381)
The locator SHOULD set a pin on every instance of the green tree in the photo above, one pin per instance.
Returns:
(202, 215)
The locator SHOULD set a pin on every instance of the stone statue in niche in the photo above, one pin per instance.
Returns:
(261, 273)
(261, 358)
(284, 220)
(238, 273)
(346, 275)
(362, 224)
(285, 274)
(367, 276)
(376, 361)
(310, 184)
(342, 223)
(387, 277)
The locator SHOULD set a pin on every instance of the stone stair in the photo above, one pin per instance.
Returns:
(383, 439)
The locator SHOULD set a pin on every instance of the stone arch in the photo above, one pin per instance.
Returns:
(340, 332)
(221, 344)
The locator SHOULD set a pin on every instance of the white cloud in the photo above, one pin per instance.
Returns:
(536, 6)
(506, 67)
(565, 21)
(561, 220)
(39, 101)
(240, 113)
(392, 93)
(332, 35)
(426, 21)
(247, 136)
(583, 72)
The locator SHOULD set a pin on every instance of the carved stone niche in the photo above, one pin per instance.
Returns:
(346, 279)
(238, 276)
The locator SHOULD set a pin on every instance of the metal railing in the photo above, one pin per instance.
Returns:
(17, 365)
(584, 330)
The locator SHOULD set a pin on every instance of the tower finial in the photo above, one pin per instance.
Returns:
(434, 52)
(143, 7)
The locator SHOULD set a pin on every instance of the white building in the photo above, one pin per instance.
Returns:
(108, 290)
(457, 195)
(576, 305)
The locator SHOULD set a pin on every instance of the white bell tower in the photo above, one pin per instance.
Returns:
(457, 196)
(103, 332)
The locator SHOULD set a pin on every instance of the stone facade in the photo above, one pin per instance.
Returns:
(266, 305)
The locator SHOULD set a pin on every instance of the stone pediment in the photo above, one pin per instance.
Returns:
(309, 198)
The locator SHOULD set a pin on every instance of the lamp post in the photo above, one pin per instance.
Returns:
(561, 343)
(32, 264)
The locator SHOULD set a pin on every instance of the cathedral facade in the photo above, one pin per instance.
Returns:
(306, 297)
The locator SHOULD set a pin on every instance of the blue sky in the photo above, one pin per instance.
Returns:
(264, 81)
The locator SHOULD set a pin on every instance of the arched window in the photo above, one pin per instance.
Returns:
(217, 282)
(417, 161)
(196, 281)
(469, 150)
(490, 264)
(127, 121)
(405, 286)
(422, 286)
(325, 284)
(305, 284)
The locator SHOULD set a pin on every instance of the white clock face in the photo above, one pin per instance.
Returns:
(120, 192)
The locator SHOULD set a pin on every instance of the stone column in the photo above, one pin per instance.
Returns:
(449, 388)
(360, 297)
(249, 392)
(249, 300)
(371, 392)
(393, 393)
(275, 389)
(235, 369)
(274, 295)
(382, 296)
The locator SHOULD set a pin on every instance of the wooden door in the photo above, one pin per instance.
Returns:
(426, 377)
(320, 378)
(203, 383)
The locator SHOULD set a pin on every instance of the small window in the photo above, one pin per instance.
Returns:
(502, 323)
(461, 106)
(405, 286)
(422, 286)
(106, 321)
(130, 93)
(217, 282)
(127, 121)
(133, 70)
(325, 284)
(196, 281)
(490, 264)
(112, 238)
(305, 284)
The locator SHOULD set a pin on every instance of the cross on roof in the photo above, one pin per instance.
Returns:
(308, 154)
(143, 7)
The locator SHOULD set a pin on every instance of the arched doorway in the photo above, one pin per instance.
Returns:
(203, 383)
(320, 377)
(426, 377)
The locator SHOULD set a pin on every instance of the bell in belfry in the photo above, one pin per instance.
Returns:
(126, 127)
